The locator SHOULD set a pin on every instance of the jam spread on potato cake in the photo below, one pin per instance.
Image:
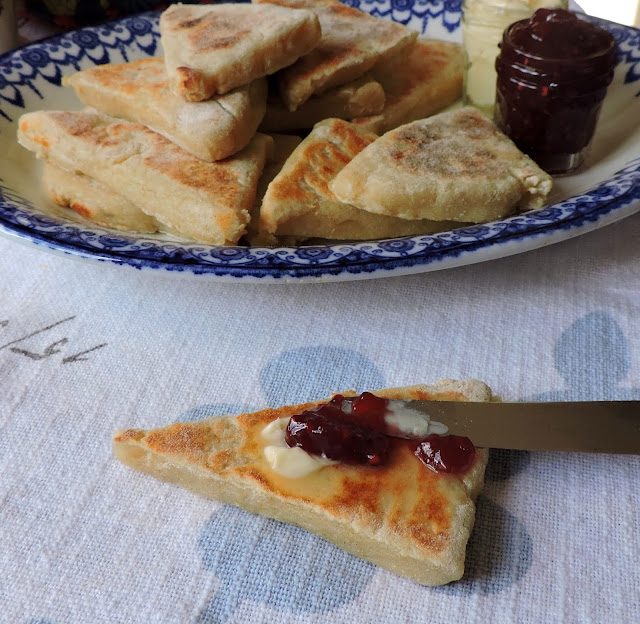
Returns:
(349, 430)
(354, 430)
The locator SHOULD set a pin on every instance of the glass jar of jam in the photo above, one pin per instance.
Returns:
(553, 71)
(483, 22)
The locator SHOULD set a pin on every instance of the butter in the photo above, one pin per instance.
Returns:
(483, 22)
(273, 433)
(290, 462)
(294, 462)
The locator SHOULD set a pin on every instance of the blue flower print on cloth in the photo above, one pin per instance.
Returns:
(276, 564)
(214, 409)
(504, 464)
(593, 357)
(499, 552)
(318, 371)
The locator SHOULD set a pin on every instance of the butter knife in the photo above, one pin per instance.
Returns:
(584, 426)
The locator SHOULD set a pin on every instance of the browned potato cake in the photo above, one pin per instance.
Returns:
(401, 515)
(452, 166)
(214, 48)
(139, 92)
(209, 202)
(352, 43)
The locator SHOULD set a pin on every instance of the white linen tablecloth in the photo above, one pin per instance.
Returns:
(87, 348)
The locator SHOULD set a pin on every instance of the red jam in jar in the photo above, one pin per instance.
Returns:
(553, 72)
(353, 430)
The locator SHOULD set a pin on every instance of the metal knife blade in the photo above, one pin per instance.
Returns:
(584, 426)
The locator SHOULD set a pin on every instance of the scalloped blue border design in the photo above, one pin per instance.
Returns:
(112, 42)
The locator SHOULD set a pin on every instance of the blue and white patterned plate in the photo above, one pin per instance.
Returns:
(606, 190)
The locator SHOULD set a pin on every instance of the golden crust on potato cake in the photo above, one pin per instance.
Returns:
(283, 147)
(139, 92)
(363, 96)
(94, 201)
(211, 49)
(208, 202)
(299, 204)
(417, 85)
(455, 165)
(352, 43)
(401, 515)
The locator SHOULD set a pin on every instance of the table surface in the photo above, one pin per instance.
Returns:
(88, 348)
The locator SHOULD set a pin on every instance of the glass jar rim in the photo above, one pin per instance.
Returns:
(493, 4)
(560, 88)
(482, 12)
(569, 79)
(600, 54)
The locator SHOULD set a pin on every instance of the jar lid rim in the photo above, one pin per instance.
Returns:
(609, 50)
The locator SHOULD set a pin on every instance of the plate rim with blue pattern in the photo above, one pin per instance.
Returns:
(29, 75)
